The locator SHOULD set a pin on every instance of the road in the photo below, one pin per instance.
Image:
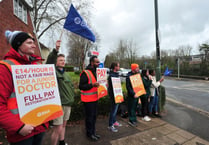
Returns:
(192, 93)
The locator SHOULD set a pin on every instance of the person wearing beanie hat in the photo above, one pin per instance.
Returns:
(134, 66)
(132, 98)
(16, 38)
(21, 53)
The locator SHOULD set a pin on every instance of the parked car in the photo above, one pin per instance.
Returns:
(124, 72)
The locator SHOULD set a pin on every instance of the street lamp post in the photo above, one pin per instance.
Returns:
(158, 68)
(178, 67)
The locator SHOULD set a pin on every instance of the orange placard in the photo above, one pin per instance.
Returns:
(137, 84)
(42, 114)
(102, 91)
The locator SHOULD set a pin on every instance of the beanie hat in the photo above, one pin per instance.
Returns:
(134, 66)
(16, 38)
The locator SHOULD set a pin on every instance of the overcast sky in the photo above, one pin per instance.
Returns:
(181, 22)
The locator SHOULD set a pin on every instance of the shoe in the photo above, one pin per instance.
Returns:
(112, 128)
(117, 124)
(62, 143)
(97, 136)
(146, 118)
(158, 115)
(152, 115)
(132, 123)
(93, 138)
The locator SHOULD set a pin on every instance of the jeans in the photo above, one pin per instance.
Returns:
(113, 113)
(34, 140)
(90, 120)
(153, 105)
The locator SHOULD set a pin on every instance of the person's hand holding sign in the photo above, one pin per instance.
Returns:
(95, 84)
(27, 129)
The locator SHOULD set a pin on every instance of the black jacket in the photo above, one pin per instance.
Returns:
(129, 87)
(83, 84)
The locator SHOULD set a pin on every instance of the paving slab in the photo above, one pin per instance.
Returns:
(155, 132)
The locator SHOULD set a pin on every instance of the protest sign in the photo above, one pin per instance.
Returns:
(137, 84)
(37, 93)
(117, 90)
(102, 80)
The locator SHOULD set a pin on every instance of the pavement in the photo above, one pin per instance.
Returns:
(155, 132)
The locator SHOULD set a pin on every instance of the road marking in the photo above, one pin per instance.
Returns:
(191, 89)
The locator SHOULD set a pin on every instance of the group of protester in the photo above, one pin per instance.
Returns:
(22, 53)
(148, 101)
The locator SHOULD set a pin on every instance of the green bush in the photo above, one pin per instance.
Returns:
(104, 106)
(69, 68)
(77, 111)
(77, 72)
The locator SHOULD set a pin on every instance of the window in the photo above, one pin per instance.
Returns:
(20, 10)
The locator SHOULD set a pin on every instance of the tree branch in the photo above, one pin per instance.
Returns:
(44, 30)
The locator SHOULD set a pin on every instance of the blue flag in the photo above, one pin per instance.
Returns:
(167, 72)
(75, 23)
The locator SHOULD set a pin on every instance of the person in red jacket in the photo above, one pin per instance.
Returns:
(21, 53)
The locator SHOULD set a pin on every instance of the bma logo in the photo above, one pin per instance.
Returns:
(78, 21)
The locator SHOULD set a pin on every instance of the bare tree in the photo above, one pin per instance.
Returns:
(78, 50)
(48, 13)
(131, 52)
(81, 45)
(126, 53)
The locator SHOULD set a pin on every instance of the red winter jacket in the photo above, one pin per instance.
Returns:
(9, 121)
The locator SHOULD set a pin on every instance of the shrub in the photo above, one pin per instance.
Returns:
(77, 111)
(77, 72)
(69, 68)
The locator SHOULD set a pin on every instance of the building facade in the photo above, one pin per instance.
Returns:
(15, 15)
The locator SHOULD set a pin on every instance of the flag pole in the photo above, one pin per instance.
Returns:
(61, 34)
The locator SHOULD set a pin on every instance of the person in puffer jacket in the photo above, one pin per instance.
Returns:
(21, 53)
